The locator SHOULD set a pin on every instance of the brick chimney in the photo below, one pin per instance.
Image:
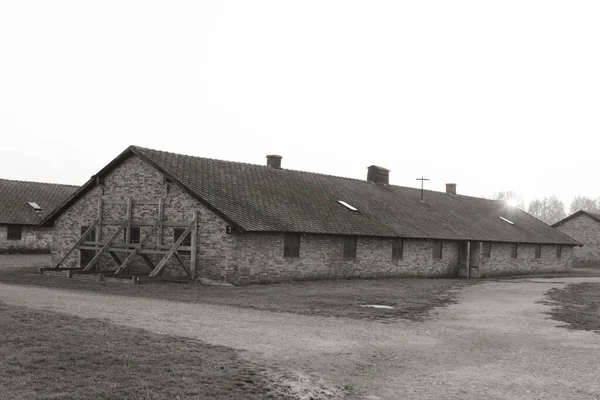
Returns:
(451, 188)
(378, 175)
(274, 161)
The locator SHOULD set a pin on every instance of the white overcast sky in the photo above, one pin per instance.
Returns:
(492, 95)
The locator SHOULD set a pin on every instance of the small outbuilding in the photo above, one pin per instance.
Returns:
(154, 212)
(23, 205)
(583, 226)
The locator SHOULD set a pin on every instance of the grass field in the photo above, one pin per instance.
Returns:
(54, 356)
(410, 299)
(578, 305)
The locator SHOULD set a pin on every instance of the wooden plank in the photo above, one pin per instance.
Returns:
(134, 202)
(137, 249)
(137, 222)
(104, 248)
(148, 261)
(194, 240)
(99, 224)
(128, 231)
(114, 257)
(144, 202)
(115, 202)
(182, 263)
(161, 212)
(77, 244)
(170, 252)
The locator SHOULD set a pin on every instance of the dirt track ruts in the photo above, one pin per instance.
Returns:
(496, 343)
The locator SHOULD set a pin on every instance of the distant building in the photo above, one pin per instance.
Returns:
(23, 205)
(153, 211)
(584, 227)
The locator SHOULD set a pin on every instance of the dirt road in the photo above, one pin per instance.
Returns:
(496, 343)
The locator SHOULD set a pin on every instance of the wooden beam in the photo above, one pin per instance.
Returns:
(137, 222)
(148, 261)
(99, 225)
(170, 252)
(134, 202)
(194, 243)
(161, 212)
(137, 249)
(182, 263)
(104, 248)
(128, 231)
(114, 257)
(81, 239)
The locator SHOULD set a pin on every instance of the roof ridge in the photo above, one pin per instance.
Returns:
(310, 172)
(38, 182)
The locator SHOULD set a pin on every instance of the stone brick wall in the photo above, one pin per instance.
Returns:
(586, 230)
(501, 263)
(138, 180)
(260, 259)
(33, 239)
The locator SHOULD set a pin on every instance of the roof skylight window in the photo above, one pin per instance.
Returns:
(505, 220)
(35, 206)
(348, 206)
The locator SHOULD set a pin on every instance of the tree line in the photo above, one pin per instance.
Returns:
(549, 209)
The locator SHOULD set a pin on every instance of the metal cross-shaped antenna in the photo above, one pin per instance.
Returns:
(422, 179)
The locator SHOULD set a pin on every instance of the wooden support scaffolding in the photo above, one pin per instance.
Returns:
(104, 248)
(145, 247)
(172, 250)
(137, 249)
(78, 243)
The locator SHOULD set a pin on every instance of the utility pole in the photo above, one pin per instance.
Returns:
(422, 179)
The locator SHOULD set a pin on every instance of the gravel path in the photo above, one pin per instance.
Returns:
(496, 343)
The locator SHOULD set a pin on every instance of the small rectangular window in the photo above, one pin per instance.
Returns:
(513, 250)
(350, 247)
(134, 237)
(486, 249)
(437, 249)
(91, 237)
(397, 249)
(14, 232)
(538, 251)
(177, 232)
(291, 246)
(558, 251)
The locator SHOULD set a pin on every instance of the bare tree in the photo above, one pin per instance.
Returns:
(510, 196)
(549, 209)
(584, 203)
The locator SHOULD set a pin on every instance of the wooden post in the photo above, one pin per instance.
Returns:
(194, 240)
(99, 229)
(160, 222)
(128, 231)
(136, 251)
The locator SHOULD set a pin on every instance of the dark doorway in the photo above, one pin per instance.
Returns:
(87, 255)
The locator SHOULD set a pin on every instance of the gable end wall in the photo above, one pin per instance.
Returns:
(586, 230)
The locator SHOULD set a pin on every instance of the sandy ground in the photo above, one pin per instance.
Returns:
(497, 342)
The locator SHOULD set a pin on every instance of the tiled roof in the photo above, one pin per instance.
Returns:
(16, 195)
(261, 198)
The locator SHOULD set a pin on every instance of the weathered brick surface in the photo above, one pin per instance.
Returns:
(260, 259)
(501, 263)
(33, 239)
(138, 180)
(586, 230)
